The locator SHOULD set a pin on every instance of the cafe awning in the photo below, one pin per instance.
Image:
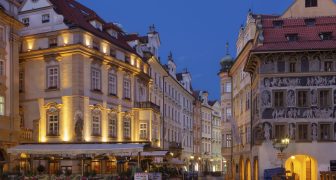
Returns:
(78, 149)
(154, 153)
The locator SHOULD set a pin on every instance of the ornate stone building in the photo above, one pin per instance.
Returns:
(10, 122)
(293, 70)
(82, 84)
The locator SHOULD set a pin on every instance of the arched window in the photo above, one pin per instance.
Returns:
(96, 122)
(112, 125)
(53, 121)
(127, 127)
(304, 64)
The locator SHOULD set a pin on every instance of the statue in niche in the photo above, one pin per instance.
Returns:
(291, 98)
(313, 97)
(267, 131)
(267, 82)
(292, 131)
(269, 65)
(79, 126)
(314, 132)
(266, 99)
(315, 64)
(334, 96)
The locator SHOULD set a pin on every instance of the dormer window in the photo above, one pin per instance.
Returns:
(45, 18)
(278, 24)
(95, 45)
(113, 53)
(52, 42)
(127, 59)
(292, 37)
(310, 22)
(113, 33)
(311, 3)
(96, 24)
(326, 35)
(25, 21)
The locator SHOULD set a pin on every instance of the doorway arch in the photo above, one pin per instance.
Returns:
(304, 167)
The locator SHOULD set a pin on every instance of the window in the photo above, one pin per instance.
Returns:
(302, 100)
(326, 36)
(95, 44)
(21, 81)
(310, 22)
(228, 140)
(281, 66)
(292, 37)
(324, 98)
(311, 3)
(127, 128)
(279, 131)
(2, 105)
(53, 121)
(328, 66)
(52, 77)
(25, 21)
(127, 88)
(278, 99)
(228, 87)
(278, 24)
(96, 122)
(304, 64)
(112, 84)
(2, 68)
(95, 79)
(292, 67)
(112, 125)
(127, 59)
(2, 34)
(52, 42)
(45, 18)
(113, 53)
(325, 132)
(228, 113)
(143, 131)
(303, 132)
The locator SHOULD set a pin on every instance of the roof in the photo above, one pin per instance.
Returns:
(211, 103)
(78, 15)
(308, 36)
(76, 149)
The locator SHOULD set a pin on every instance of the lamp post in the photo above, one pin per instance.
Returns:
(192, 157)
(281, 145)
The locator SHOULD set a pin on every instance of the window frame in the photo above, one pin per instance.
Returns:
(51, 77)
(329, 131)
(112, 84)
(96, 122)
(2, 105)
(143, 131)
(45, 18)
(327, 99)
(275, 105)
(280, 135)
(307, 98)
(299, 133)
(53, 112)
(127, 129)
(96, 79)
(127, 88)
(311, 3)
(113, 125)
(26, 21)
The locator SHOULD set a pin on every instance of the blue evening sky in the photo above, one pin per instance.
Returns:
(196, 31)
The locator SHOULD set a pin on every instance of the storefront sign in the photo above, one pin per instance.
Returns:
(155, 176)
(141, 176)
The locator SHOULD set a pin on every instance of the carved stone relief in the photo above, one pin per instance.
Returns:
(294, 113)
(301, 81)
(291, 98)
(314, 131)
(266, 99)
(292, 131)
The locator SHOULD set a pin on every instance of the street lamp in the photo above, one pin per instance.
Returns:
(281, 145)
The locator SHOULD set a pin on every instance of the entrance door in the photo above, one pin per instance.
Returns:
(54, 167)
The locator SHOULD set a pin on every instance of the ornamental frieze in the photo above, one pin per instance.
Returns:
(299, 81)
(294, 113)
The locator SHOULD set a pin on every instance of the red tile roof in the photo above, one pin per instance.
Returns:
(77, 15)
(309, 39)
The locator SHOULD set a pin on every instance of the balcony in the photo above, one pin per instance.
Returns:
(147, 105)
(26, 135)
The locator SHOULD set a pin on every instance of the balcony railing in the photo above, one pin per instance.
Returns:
(147, 105)
(26, 135)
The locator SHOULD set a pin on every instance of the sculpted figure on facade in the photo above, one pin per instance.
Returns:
(79, 126)
(293, 113)
(291, 98)
(278, 113)
(308, 113)
(266, 99)
(292, 131)
(267, 83)
(267, 131)
(314, 131)
(313, 97)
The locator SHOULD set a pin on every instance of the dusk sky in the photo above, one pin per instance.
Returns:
(196, 31)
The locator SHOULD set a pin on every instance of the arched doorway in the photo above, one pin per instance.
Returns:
(255, 169)
(248, 170)
(241, 169)
(303, 167)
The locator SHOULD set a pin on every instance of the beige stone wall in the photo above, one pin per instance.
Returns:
(298, 9)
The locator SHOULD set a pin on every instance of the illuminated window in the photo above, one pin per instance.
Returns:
(127, 128)
(112, 84)
(96, 122)
(53, 121)
(45, 18)
(127, 88)
(112, 126)
(95, 79)
(143, 130)
(2, 105)
(52, 77)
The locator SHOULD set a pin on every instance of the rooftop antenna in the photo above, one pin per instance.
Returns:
(227, 48)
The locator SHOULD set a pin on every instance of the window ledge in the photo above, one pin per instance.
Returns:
(52, 89)
(98, 91)
(127, 99)
(96, 135)
(53, 136)
(113, 95)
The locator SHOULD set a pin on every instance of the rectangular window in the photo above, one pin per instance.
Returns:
(53, 125)
(95, 44)
(112, 84)
(127, 129)
(279, 131)
(2, 34)
(328, 66)
(96, 125)
(228, 113)
(95, 79)
(25, 21)
(292, 67)
(325, 132)
(311, 3)
(52, 77)
(302, 99)
(278, 99)
(2, 106)
(113, 53)
(52, 42)
(127, 88)
(143, 131)
(112, 126)
(292, 37)
(324, 98)
(326, 36)
(2, 68)
(278, 24)
(21, 81)
(228, 87)
(302, 132)
(310, 22)
(45, 18)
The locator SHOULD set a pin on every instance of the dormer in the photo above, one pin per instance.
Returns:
(154, 42)
(171, 65)
(96, 24)
(311, 8)
(112, 29)
(205, 98)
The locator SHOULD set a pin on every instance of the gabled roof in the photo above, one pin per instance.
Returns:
(308, 36)
(78, 15)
